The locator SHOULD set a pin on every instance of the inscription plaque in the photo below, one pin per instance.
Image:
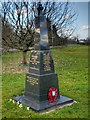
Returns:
(46, 62)
(32, 80)
(34, 59)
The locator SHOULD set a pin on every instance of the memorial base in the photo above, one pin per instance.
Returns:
(42, 106)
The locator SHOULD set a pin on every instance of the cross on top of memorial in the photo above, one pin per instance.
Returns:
(39, 8)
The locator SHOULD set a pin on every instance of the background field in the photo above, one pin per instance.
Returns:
(71, 64)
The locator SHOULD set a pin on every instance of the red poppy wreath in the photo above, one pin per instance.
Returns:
(52, 94)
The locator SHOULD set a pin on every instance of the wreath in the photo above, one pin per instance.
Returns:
(52, 94)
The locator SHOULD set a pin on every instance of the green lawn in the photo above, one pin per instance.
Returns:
(71, 64)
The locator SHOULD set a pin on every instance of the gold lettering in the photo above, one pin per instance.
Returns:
(46, 60)
(32, 80)
(34, 58)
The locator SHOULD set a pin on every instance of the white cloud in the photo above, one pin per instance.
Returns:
(67, 16)
(85, 27)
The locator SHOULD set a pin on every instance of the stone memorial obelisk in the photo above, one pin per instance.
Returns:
(41, 87)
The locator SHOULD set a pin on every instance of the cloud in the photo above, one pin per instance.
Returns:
(85, 27)
(67, 16)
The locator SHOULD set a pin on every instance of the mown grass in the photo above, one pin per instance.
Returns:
(71, 64)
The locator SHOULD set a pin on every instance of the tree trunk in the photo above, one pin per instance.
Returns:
(24, 57)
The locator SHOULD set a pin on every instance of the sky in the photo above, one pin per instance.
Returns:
(82, 20)
(81, 23)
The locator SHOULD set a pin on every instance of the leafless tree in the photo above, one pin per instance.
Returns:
(7, 36)
(62, 17)
(21, 16)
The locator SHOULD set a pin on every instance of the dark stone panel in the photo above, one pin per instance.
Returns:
(41, 33)
(41, 62)
(38, 85)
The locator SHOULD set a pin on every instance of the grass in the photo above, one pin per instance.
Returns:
(71, 64)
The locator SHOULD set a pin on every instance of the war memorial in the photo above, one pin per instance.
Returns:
(41, 86)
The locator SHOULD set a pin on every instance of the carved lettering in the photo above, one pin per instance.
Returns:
(34, 58)
(32, 80)
(46, 62)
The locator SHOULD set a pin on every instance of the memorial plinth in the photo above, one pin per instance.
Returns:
(41, 87)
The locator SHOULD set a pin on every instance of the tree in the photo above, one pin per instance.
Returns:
(7, 36)
(61, 16)
(20, 17)
(77, 38)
